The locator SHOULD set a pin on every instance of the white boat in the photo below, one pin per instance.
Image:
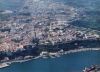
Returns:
(3, 65)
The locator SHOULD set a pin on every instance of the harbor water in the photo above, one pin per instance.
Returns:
(74, 62)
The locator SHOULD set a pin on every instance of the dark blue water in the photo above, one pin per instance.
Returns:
(67, 63)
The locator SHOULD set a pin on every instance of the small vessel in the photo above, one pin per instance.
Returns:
(92, 69)
(3, 65)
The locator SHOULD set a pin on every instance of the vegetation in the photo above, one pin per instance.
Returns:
(1, 39)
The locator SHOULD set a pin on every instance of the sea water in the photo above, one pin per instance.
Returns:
(74, 62)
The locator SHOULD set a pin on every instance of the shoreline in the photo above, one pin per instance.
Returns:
(51, 55)
(82, 50)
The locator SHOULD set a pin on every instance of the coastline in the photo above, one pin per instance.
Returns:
(54, 55)
(82, 50)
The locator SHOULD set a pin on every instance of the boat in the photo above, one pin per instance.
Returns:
(3, 65)
(92, 69)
